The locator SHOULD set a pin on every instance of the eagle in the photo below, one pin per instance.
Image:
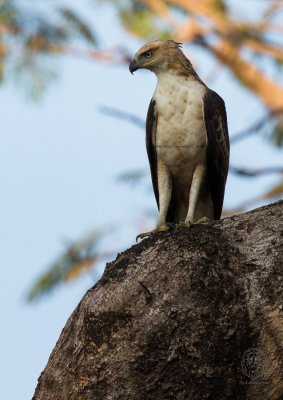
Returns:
(187, 138)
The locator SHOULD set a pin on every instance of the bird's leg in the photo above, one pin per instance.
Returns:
(198, 176)
(165, 190)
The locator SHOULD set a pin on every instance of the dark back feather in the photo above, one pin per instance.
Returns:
(218, 148)
(151, 122)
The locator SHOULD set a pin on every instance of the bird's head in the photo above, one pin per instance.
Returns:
(161, 55)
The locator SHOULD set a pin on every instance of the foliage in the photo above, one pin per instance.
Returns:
(30, 37)
(142, 21)
(276, 134)
(79, 257)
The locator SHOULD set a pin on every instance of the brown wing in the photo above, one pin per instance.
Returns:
(151, 123)
(218, 147)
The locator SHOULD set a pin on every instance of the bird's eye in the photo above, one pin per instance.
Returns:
(148, 54)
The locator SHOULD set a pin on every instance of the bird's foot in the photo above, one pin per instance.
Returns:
(184, 224)
(162, 228)
(189, 224)
(203, 220)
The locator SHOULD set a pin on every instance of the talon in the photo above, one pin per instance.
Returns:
(142, 236)
(162, 228)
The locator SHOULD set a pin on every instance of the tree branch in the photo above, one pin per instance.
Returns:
(124, 115)
(255, 127)
(250, 173)
(187, 314)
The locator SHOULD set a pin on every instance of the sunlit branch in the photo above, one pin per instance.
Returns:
(264, 48)
(114, 55)
(227, 53)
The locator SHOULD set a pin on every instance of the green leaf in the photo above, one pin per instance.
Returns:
(145, 23)
(220, 5)
(34, 73)
(276, 134)
(78, 25)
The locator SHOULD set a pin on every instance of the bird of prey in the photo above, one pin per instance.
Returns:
(186, 138)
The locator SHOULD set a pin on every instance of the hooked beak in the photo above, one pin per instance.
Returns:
(133, 66)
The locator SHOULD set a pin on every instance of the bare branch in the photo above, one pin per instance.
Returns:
(129, 117)
(250, 173)
(255, 127)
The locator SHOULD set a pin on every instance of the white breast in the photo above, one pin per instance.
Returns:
(180, 138)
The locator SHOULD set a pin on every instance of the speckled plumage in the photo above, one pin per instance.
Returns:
(180, 138)
(187, 137)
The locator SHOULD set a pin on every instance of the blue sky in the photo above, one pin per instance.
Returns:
(59, 160)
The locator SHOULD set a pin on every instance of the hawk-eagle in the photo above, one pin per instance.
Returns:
(186, 138)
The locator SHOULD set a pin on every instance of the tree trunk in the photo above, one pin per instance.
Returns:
(186, 314)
